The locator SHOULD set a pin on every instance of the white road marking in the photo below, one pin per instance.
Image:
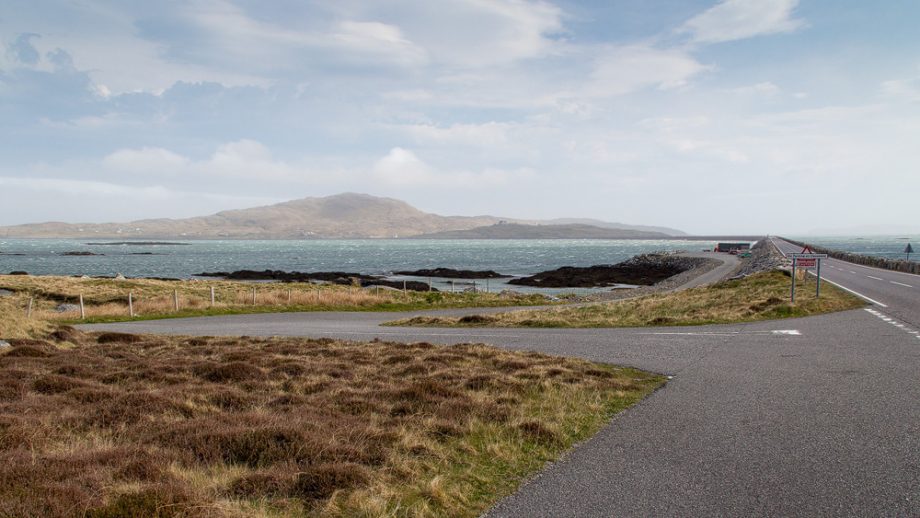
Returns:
(876, 278)
(851, 271)
(900, 284)
(895, 323)
(860, 295)
(423, 334)
(793, 332)
(914, 275)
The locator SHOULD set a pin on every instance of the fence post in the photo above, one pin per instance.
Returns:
(404, 285)
(253, 296)
(82, 309)
(131, 304)
(176, 299)
(29, 311)
(289, 296)
(212, 296)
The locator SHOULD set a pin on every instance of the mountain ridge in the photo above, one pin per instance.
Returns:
(340, 216)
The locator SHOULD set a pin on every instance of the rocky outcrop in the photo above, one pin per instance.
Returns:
(450, 273)
(764, 257)
(642, 270)
(341, 278)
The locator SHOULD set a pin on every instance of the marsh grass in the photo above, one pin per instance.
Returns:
(763, 296)
(106, 300)
(105, 425)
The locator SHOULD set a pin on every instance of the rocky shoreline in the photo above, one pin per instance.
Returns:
(641, 270)
(450, 273)
(340, 278)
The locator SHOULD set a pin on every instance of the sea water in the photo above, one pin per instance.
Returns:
(184, 259)
(889, 247)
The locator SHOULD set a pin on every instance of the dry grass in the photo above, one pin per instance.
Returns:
(764, 296)
(106, 300)
(105, 425)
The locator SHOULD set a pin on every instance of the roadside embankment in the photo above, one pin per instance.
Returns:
(764, 258)
(897, 265)
(760, 296)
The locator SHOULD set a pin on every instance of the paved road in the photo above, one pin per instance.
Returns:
(805, 417)
(895, 293)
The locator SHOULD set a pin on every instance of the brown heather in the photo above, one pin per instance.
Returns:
(113, 425)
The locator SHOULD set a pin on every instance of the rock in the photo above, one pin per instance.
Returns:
(5, 293)
(764, 257)
(343, 278)
(66, 308)
(449, 273)
(18, 272)
(644, 270)
(80, 253)
(119, 277)
(4, 344)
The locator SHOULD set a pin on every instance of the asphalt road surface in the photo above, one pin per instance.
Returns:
(804, 417)
(895, 293)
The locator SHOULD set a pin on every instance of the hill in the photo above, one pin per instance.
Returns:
(341, 216)
(522, 231)
(619, 226)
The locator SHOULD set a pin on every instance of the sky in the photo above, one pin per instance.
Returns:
(733, 116)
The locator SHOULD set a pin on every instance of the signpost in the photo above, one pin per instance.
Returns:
(909, 250)
(807, 260)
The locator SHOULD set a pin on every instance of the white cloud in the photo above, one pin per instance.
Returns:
(763, 89)
(375, 38)
(238, 159)
(731, 20)
(236, 38)
(489, 134)
(623, 70)
(401, 167)
(147, 160)
(98, 201)
(902, 89)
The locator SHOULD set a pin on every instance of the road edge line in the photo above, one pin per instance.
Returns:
(858, 294)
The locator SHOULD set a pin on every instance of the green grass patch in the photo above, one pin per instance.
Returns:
(763, 296)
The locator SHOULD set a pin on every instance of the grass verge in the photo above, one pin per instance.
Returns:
(763, 296)
(106, 300)
(104, 425)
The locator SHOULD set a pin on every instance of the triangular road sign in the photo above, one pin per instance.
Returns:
(806, 250)
(909, 249)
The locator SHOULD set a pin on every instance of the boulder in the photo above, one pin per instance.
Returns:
(66, 308)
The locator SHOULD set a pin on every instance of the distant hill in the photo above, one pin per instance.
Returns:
(620, 226)
(523, 231)
(341, 216)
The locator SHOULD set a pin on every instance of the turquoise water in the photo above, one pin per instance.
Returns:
(515, 257)
(889, 247)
